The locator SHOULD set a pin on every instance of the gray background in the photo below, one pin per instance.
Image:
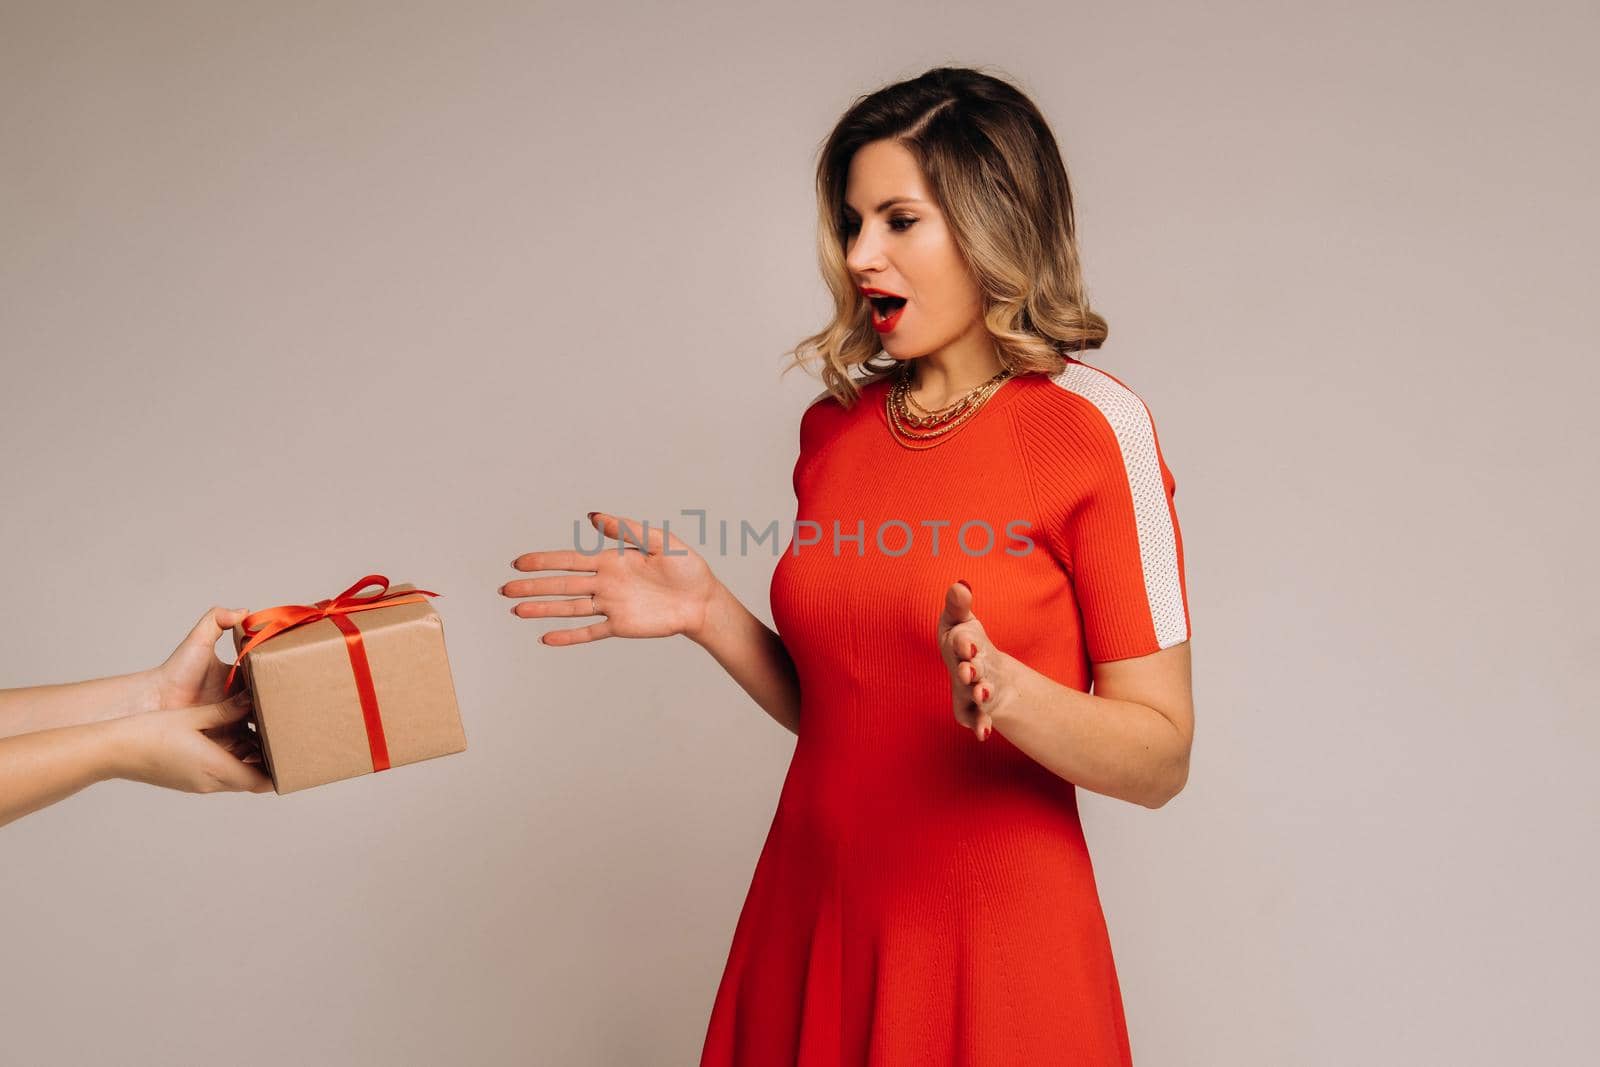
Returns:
(294, 292)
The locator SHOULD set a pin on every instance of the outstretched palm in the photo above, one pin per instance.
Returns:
(644, 586)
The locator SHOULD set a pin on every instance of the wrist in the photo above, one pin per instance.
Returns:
(109, 748)
(143, 692)
(1010, 686)
(713, 613)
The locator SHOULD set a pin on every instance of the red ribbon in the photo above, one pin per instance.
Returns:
(262, 626)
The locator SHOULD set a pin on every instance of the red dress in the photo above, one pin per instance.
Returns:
(923, 898)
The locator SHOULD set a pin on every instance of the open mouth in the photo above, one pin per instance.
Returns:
(886, 311)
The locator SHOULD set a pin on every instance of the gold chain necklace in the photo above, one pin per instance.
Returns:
(932, 427)
(921, 416)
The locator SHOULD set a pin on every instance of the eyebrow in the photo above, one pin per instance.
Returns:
(887, 204)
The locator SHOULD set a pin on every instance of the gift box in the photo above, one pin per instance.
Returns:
(348, 686)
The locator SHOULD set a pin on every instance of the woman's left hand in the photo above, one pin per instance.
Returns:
(193, 674)
(980, 674)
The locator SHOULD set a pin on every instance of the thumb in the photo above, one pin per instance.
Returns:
(958, 602)
(212, 625)
(631, 531)
(608, 525)
(224, 713)
(227, 618)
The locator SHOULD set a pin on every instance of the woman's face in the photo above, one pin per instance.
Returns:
(896, 240)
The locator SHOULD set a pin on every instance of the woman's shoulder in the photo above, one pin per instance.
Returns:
(1085, 425)
(1085, 401)
(825, 415)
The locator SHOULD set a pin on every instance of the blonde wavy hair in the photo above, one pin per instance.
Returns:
(995, 171)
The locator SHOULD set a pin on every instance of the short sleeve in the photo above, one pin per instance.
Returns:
(811, 421)
(818, 426)
(1123, 544)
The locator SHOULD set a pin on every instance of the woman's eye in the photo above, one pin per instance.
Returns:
(899, 224)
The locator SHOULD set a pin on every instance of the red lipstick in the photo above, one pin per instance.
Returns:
(886, 308)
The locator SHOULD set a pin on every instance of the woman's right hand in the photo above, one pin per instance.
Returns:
(658, 587)
(206, 748)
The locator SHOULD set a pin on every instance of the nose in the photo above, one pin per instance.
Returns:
(866, 254)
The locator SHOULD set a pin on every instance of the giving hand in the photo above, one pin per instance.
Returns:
(193, 674)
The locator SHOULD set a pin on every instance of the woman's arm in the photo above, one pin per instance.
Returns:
(168, 726)
(1112, 526)
(752, 654)
(46, 707)
(1130, 739)
(194, 749)
(37, 769)
(652, 584)
(190, 675)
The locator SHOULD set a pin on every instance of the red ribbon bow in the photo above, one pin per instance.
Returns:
(261, 626)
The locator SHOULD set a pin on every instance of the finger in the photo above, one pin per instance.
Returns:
(630, 530)
(232, 734)
(212, 625)
(957, 603)
(969, 672)
(556, 585)
(227, 618)
(965, 641)
(592, 632)
(568, 560)
(983, 723)
(555, 609)
(964, 711)
(243, 749)
(242, 777)
(224, 713)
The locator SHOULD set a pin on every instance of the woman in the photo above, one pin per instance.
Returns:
(920, 899)
(171, 726)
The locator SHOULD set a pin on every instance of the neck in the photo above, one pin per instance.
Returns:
(947, 373)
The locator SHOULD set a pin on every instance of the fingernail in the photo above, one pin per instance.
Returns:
(972, 650)
(592, 514)
(963, 581)
(983, 694)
